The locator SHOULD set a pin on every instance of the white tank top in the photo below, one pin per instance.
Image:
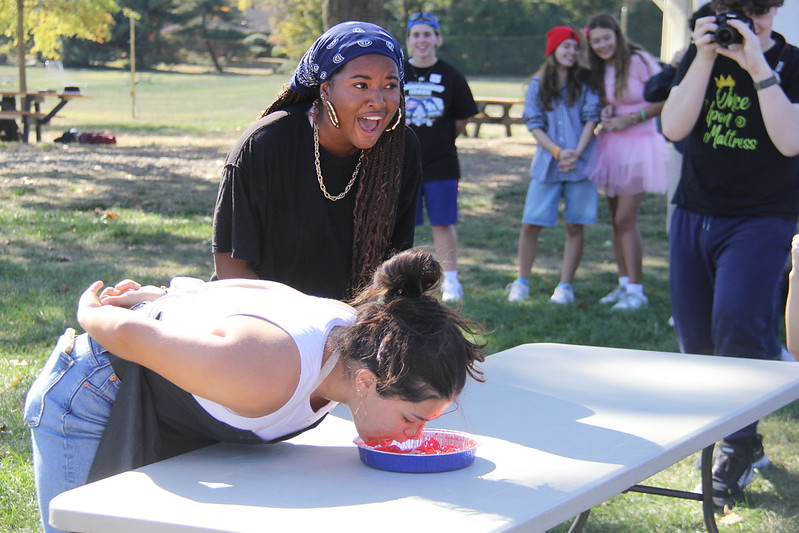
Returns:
(306, 319)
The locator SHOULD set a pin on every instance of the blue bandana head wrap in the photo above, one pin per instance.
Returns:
(340, 44)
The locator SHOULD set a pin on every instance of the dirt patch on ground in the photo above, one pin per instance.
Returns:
(168, 172)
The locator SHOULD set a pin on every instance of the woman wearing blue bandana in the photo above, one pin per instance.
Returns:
(322, 188)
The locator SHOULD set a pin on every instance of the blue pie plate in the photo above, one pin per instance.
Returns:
(410, 462)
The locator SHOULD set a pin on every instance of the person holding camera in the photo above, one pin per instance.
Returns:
(735, 100)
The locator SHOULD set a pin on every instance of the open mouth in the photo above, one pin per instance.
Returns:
(369, 124)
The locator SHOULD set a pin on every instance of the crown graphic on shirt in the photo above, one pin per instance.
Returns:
(724, 81)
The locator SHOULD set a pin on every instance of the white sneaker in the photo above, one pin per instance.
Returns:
(452, 291)
(614, 296)
(631, 301)
(518, 291)
(562, 295)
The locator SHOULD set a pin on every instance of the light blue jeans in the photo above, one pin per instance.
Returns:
(67, 409)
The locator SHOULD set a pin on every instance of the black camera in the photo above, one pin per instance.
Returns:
(725, 34)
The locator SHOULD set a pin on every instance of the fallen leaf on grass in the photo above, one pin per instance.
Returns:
(106, 215)
(62, 288)
(19, 362)
(16, 381)
(730, 517)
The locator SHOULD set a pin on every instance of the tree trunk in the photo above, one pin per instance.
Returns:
(335, 11)
(23, 83)
(215, 59)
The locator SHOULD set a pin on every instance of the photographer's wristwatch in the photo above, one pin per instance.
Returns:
(774, 79)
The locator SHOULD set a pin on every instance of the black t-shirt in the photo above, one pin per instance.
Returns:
(435, 97)
(730, 166)
(271, 211)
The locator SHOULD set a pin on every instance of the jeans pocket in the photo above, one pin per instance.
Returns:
(55, 369)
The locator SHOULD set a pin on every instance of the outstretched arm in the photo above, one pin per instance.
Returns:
(246, 364)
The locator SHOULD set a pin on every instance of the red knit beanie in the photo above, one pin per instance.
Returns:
(557, 35)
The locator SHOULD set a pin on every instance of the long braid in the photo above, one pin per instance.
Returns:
(376, 203)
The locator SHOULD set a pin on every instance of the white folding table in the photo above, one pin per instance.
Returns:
(563, 428)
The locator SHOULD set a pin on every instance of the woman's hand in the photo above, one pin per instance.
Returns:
(89, 299)
(703, 37)
(567, 161)
(617, 123)
(748, 55)
(128, 293)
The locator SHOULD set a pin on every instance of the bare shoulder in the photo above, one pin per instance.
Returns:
(267, 361)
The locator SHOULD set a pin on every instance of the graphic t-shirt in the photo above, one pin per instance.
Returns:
(435, 97)
(730, 166)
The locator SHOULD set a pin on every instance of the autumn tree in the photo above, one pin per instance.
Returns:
(210, 22)
(37, 26)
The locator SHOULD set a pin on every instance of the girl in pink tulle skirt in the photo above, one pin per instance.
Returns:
(630, 155)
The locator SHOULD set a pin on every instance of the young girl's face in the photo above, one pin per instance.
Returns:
(422, 41)
(379, 419)
(567, 53)
(603, 42)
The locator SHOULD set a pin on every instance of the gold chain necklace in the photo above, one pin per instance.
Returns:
(319, 168)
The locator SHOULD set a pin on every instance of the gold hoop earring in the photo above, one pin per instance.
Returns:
(331, 113)
(397, 123)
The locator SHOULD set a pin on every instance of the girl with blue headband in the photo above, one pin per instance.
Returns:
(440, 104)
(323, 186)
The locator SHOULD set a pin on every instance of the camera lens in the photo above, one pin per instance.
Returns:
(726, 36)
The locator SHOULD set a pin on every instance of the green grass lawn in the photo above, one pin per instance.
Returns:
(149, 219)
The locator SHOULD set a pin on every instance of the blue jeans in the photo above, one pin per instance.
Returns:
(724, 275)
(67, 409)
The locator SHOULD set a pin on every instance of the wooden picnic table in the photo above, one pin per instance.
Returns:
(491, 110)
(30, 108)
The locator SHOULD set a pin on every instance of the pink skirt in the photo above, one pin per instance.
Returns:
(630, 163)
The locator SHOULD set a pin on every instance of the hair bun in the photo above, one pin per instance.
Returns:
(412, 273)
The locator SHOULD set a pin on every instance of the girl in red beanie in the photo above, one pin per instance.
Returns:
(561, 112)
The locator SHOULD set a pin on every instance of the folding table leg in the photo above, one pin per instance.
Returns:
(579, 522)
(708, 508)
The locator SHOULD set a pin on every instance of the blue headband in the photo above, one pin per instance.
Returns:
(423, 17)
(340, 44)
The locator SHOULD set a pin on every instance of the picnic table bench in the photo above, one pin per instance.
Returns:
(492, 110)
(30, 108)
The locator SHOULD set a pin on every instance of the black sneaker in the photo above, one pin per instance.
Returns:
(759, 457)
(733, 469)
